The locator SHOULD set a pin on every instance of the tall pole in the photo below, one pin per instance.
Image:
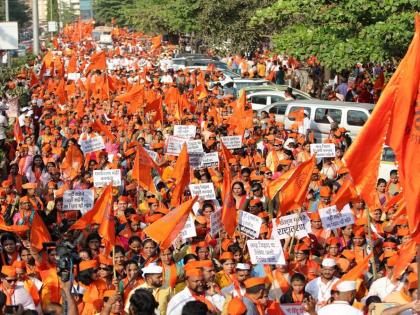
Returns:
(7, 18)
(35, 27)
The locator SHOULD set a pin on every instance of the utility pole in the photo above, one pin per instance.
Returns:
(35, 28)
(7, 18)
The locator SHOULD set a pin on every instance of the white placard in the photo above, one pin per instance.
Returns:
(9, 36)
(189, 229)
(215, 222)
(232, 142)
(92, 144)
(323, 150)
(195, 159)
(204, 191)
(195, 146)
(52, 26)
(287, 224)
(210, 160)
(332, 218)
(185, 131)
(267, 252)
(293, 309)
(74, 76)
(102, 178)
(105, 39)
(249, 224)
(78, 200)
(174, 145)
(152, 154)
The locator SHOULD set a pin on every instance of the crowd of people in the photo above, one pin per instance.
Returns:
(126, 253)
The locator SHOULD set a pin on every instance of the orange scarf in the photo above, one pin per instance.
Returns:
(173, 276)
(257, 303)
(32, 290)
(282, 281)
(203, 299)
(9, 293)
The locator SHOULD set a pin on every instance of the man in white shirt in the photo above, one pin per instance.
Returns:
(16, 294)
(243, 272)
(195, 290)
(320, 288)
(343, 301)
(384, 286)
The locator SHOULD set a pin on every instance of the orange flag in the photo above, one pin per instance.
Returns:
(98, 126)
(97, 214)
(34, 79)
(293, 193)
(142, 169)
(60, 91)
(72, 162)
(97, 62)
(181, 175)
(406, 254)
(394, 118)
(298, 115)
(270, 76)
(39, 232)
(17, 131)
(274, 186)
(72, 65)
(107, 227)
(155, 105)
(397, 199)
(229, 213)
(12, 228)
(357, 271)
(345, 194)
(156, 41)
(135, 96)
(165, 230)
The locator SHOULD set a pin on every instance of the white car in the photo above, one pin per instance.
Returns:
(261, 99)
(387, 163)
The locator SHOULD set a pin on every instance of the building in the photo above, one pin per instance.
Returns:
(82, 8)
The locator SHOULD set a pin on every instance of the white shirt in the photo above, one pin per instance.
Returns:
(382, 287)
(319, 290)
(3, 127)
(178, 301)
(21, 296)
(339, 307)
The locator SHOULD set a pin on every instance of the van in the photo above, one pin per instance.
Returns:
(351, 116)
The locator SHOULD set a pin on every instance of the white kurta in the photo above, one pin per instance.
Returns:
(339, 307)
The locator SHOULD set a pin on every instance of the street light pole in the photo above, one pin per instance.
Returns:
(6, 10)
(35, 28)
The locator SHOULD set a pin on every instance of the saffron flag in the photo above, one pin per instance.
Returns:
(345, 194)
(229, 205)
(97, 62)
(165, 230)
(181, 175)
(394, 122)
(17, 131)
(39, 232)
(142, 169)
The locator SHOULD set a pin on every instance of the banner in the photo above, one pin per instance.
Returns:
(249, 224)
(232, 142)
(210, 160)
(185, 131)
(189, 229)
(204, 191)
(82, 200)
(215, 222)
(293, 309)
(266, 252)
(92, 144)
(323, 150)
(287, 224)
(333, 219)
(102, 178)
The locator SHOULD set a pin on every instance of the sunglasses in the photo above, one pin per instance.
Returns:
(11, 280)
(104, 268)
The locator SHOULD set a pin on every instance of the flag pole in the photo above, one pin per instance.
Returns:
(294, 230)
(418, 266)
(113, 262)
(372, 259)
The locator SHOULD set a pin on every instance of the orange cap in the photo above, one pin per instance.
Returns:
(9, 271)
(192, 264)
(236, 307)
(24, 199)
(225, 244)
(253, 282)
(314, 216)
(105, 260)
(301, 247)
(226, 256)
(19, 264)
(29, 186)
(193, 273)
(205, 263)
(325, 191)
(359, 231)
(88, 264)
(202, 244)
(135, 218)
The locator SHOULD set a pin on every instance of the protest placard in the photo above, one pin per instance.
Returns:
(78, 200)
(189, 229)
(174, 145)
(232, 142)
(249, 224)
(185, 131)
(204, 191)
(215, 222)
(92, 144)
(210, 159)
(152, 154)
(323, 150)
(332, 218)
(74, 76)
(292, 309)
(286, 226)
(102, 178)
(266, 252)
(195, 159)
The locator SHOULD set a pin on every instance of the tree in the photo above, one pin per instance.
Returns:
(18, 11)
(106, 10)
(52, 11)
(340, 33)
(68, 14)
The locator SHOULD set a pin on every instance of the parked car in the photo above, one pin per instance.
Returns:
(387, 163)
(263, 98)
(351, 116)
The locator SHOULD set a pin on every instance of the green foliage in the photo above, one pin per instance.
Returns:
(68, 14)
(105, 10)
(52, 10)
(340, 32)
(18, 11)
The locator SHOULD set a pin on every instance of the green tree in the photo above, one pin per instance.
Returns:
(105, 10)
(68, 14)
(340, 32)
(18, 11)
(52, 10)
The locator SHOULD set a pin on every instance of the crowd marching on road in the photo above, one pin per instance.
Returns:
(132, 187)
